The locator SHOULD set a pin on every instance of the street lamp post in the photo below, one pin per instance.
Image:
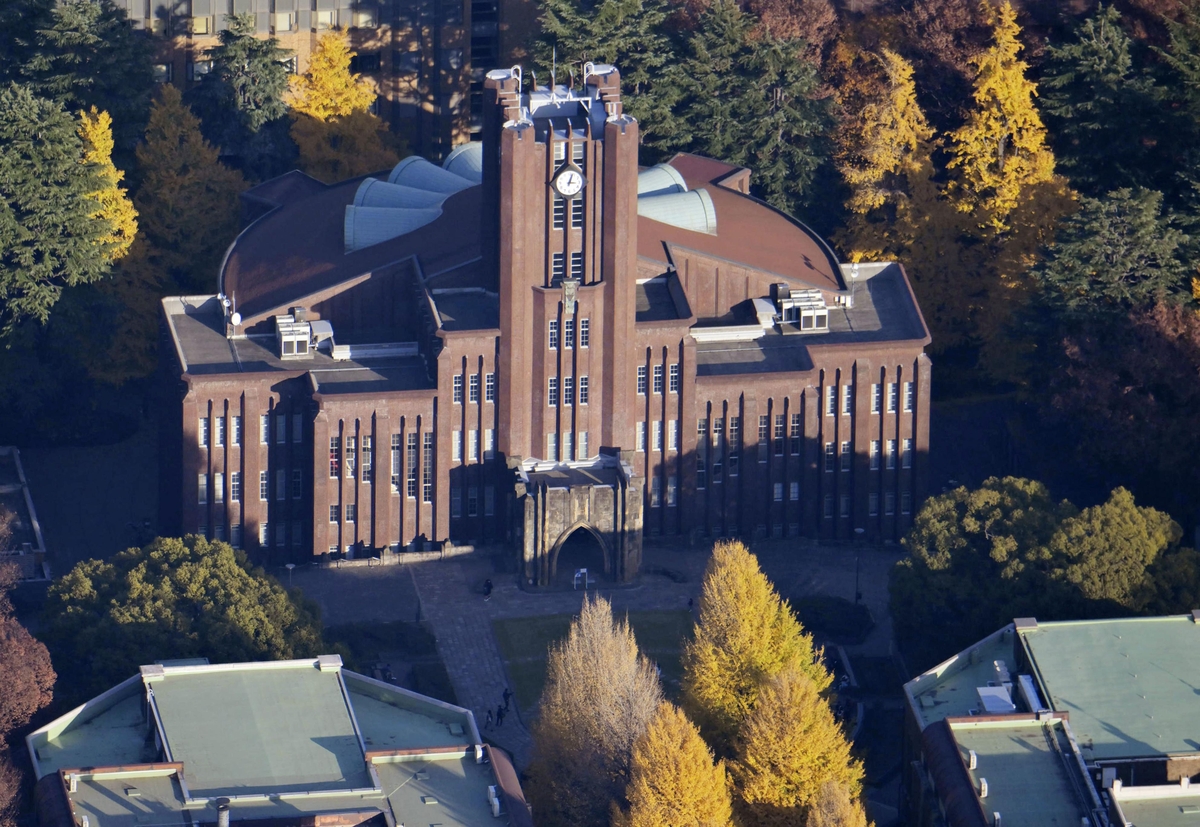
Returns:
(289, 567)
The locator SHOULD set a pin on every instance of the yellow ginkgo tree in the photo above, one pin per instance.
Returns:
(112, 201)
(329, 89)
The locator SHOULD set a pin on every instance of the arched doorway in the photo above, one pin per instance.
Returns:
(582, 548)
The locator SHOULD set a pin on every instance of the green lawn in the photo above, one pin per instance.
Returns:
(524, 642)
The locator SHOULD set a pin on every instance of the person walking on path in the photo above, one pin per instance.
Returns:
(487, 723)
(507, 697)
(499, 716)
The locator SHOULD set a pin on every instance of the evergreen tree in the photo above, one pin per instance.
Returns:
(600, 696)
(1108, 118)
(113, 204)
(1116, 253)
(89, 55)
(49, 236)
(343, 146)
(329, 89)
(241, 101)
(187, 199)
(673, 782)
(629, 34)
(750, 100)
(1001, 150)
(744, 637)
(788, 749)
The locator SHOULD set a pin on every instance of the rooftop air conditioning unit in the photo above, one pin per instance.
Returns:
(494, 801)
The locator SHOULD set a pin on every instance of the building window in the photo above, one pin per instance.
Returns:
(456, 446)
(641, 380)
(297, 483)
(163, 72)
(335, 514)
(218, 487)
(905, 502)
(581, 449)
(201, 25)
(673, 435)
(584, 332)
(235, 486)
(473, 445)
(395, 463)
(568, 447)
(489, 387)
(554, 334)
(672, 491)
(577, 265)
(458, 385)
(777, 490)
(368, 459)
(830, 400)
(889, 503)
(427, 468)
(351, 456)
(280, 429)
(906, 453)
(847, 456)
(489, 443)
(264, 426)
(794, 491)
(876, 398)
(263, 533)
(552, 391)
(583, 390)
(568, 390)
(219, 531)
(323, 20)
(351, 512)
(844, 506)
(910, 393)
(558, 267)
(335, 456)
(893, 396)
(283, 22)
(674, 378)
(472, 501)
(847, 399)
(569, 333)
(830, 456)
(658, 435)
(876, 445)
(873, 504)
(237, 430)
(202, 489)
(474, 388)
(655, 492)
(559, 212)
(658, 378)
(827, 507)
(552, 447)
(220, 430)
(264, 486)
(489, 500)
(204, 430)
(764, 424)
(735, 444)
(577, 208)
(797, 434)
(297, 535)
(639, 440)
(411, 481)
(235, 535)
(297, 428)
(891, 454)
(281, 485)
(779, 434)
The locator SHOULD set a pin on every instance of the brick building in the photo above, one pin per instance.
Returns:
(426, 57)
(538, 337)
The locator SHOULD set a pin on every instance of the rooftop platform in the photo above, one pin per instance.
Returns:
(948, 689)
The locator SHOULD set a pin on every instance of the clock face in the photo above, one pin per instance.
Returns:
(568, 182)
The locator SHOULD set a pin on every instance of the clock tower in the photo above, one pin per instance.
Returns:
(560, 232)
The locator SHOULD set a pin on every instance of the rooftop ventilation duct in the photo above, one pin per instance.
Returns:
(661, 179)
(416, 172)
(466, 161)
(375, 193)
(365, 226)
(692, 210)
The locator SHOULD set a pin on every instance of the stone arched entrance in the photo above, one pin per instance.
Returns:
(580, 547)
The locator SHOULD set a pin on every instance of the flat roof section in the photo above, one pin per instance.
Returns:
(245, 731)
(1033, 778)
(1166, 806)
(108, 737)
(948, 689)
(1131, 686)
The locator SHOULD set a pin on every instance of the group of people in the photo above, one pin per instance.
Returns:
(501, 711)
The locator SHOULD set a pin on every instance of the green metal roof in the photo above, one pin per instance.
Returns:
(948, 690)
(1033, 777)
(1131, 686)
(1180, 810)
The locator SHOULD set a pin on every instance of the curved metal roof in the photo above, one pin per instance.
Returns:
(660, 179)
(365, 226)
(415, 171)
(466, 161)
(375, 193)
(692, 210)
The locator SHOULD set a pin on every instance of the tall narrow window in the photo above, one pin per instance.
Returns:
(203, 430)
(735, 444)
(641, 380)
(701, 473)
(264, 426)
(584, 332)
(264, 486)
(473, 445)
(674, 379)
(655, 492)
(672, 491)
(489, 500)
(411, 473)
(889, 503)
(280, 429)
(552, 391)
(893, 396)
(568, 390)
(844, 507)
(220, 430)
(237, 431)
(297, 483)
(335, 513)
(576, 205)
(559, 209)
(658, 435)
(891, 454)
(395, 463)
(876, 398)
(910, 393)
(489, 388)
(235, 535)
(427, 468)
(797, 434)
(577, 265)
(581, 447)
(673, 435)
(830, 400)
(351, 512)
(351, 456)
(794, 491)
(456, 446)
(472, 501)
(847, 399)
(830, 456)
(847, 456)
(658, 378)
(458, 388)
(639, 439)
(905, 502)
(583, 390)
(368, 459)
(906, 453)
(335, 456)
(202, 489)
(777, 492)
(764, 424)
(558, 267)
(489, 443)
(827, 507)
(568, 446)
(568, 333)
(281, 485)
(873, 504)
(876, 445)
(552, 447)
(235, 486)
(553, 335)
(297, 428)
(780, 424)
(218, 487)
(474, 388)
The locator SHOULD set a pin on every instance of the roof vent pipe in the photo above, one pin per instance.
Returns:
(996, 819)
(222, 812)
(983, 788)
(974, 759)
